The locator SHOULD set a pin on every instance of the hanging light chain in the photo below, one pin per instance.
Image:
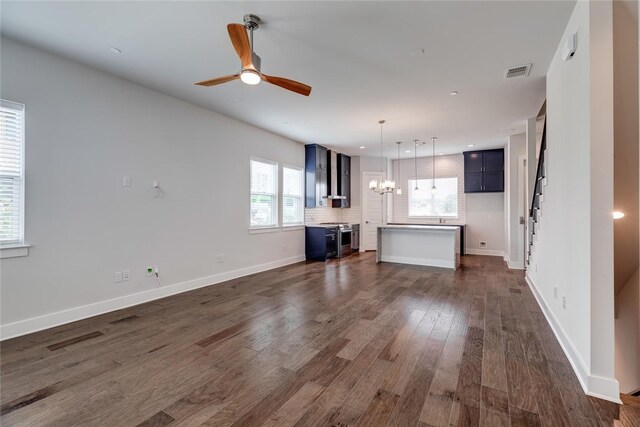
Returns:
(415, 161)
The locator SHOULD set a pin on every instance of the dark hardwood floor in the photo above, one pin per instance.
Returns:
(343, 343)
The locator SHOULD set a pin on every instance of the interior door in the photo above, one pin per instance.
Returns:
(371, 213)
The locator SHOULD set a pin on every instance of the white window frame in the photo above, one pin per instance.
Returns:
(410, 186)
(17, 247)
(300, 197)
(275, 213)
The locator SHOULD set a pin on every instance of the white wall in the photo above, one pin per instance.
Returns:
(85, 130)
(628, 335)
(514, 232)
(446, 167)
(483, 213)
(573, 248)
(626, 230)
(485, 222)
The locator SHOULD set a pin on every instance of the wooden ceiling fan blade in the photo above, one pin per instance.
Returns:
(240, 41)
(218, 80)
(291, 85)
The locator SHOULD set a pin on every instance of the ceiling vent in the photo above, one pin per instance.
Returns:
(519, 71)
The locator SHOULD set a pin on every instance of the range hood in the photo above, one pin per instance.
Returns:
(332, 176)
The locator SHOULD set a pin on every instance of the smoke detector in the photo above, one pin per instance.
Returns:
(519, 71)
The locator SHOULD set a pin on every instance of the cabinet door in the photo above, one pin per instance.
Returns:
(494, 161)
(346, 191)
(473, 161)
(321, 176)
(346, 165)
(493, 182)
(473, 182)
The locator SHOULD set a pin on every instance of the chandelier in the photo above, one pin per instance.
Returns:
(384, 186)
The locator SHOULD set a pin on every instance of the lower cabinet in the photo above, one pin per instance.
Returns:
(321, 243)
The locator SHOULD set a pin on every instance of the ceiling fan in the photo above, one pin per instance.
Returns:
(250, 72)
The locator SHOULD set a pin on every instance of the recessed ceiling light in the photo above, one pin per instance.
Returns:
(362, 147)
(454, 93)
(407, 151)
(618, 215)
(440, 154)
(471, 145)
(115, 50)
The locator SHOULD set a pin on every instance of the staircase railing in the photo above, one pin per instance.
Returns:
(534, 211)
(535, 200)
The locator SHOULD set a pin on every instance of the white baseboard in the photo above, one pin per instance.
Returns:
(514, 265)
(34, 324)
(487, 252)
(593, 385)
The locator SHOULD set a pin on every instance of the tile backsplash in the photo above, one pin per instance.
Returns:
(318, 215)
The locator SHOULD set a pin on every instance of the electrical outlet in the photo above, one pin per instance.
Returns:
(555, 291)
(156, 270)
(117, 277)
(564, 302)
(125, 274)
(126, 181)
(483, 244)
(220, 258)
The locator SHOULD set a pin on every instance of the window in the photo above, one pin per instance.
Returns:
(11, 173)
(292, 193)
(264, 194)
(423, 202)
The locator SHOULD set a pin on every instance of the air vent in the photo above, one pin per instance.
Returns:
(519, 71)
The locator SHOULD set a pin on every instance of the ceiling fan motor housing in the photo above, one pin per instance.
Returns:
(251, 21)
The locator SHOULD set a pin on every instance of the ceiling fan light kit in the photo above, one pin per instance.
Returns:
(250, 72)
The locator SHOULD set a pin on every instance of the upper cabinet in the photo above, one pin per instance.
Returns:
(343, 178)
(484, 171)
(316, 172)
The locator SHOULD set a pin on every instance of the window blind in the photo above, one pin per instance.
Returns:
(264, 193)
(292, 196)
(11, 172)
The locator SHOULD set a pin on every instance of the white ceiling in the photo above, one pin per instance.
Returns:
(355, 55)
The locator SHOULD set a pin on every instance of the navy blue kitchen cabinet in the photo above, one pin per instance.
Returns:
(344, 181)
(484, 171)
(321, 242)
(316, 169)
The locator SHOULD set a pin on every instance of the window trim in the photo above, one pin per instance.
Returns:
(15, 248)
(276, 214)
(302, 195)
(409, 189)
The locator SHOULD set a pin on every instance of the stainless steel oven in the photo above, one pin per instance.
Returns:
(344, 239)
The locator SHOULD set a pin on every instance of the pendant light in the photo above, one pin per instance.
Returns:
(384, 186)
(415, 162)
(398, 189)
(433, 165)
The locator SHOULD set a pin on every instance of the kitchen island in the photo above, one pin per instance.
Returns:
(434, 246)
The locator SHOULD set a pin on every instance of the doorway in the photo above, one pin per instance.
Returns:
(372, 212)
